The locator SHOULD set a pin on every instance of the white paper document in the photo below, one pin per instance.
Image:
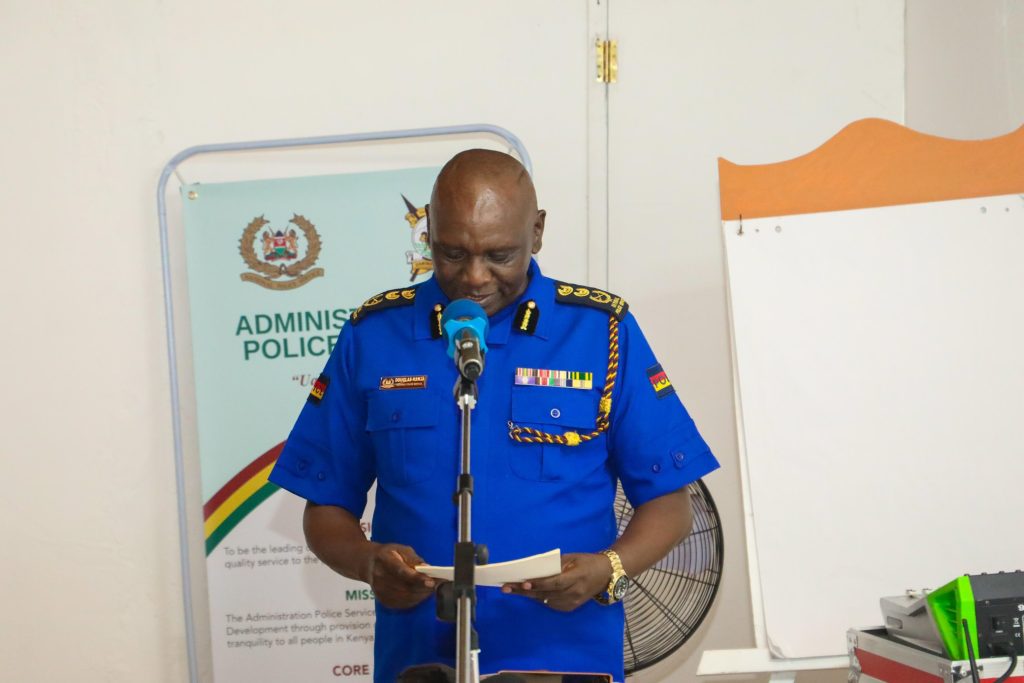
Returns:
(513, 571)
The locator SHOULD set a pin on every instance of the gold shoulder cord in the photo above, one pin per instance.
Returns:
(604, 409)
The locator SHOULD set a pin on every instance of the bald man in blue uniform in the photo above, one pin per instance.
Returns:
(572, 399)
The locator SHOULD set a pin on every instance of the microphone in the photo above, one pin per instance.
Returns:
(465, 328)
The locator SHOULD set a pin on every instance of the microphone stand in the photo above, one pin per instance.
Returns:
(467, 554)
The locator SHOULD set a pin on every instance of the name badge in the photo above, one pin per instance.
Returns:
(403, 382)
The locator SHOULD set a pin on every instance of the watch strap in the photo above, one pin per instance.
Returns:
(617, 569)
(607, 596)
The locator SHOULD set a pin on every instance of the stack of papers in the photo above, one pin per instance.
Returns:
(513, 571)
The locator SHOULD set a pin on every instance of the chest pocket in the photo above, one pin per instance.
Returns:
(402, 424)
(556, 411)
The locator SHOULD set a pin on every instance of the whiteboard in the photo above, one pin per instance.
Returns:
(880, 392)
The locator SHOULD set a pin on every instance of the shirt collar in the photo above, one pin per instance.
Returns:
(540, 289)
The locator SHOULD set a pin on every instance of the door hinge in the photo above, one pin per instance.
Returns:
(607, 52)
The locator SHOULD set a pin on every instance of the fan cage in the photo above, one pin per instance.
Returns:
(666, 604)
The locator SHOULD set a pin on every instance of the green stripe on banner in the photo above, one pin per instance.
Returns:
(239, 514)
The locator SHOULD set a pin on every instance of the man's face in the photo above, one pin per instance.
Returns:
(481, 240)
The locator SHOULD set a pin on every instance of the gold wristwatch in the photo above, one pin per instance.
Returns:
(617, 585)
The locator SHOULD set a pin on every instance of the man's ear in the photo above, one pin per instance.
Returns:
(426, 209)
(538, 230)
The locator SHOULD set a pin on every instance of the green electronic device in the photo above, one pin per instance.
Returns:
(973, 615)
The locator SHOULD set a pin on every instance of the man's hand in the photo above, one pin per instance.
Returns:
(334, 535)
(583, 576)
(656, 527)
(394, 581)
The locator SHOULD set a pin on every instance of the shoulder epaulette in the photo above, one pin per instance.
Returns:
(379, 302)
(566, 293)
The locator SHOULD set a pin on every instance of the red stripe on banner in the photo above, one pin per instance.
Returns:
(891, 671)
(247, 473)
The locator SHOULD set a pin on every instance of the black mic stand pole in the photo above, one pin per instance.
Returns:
(467, 662)
(467, 555)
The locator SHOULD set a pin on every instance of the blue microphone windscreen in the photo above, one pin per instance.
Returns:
(460, 314)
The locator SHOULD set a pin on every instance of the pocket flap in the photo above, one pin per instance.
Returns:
(575, 408)
(401, 409)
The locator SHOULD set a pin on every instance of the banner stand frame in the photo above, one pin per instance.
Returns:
(161, 200)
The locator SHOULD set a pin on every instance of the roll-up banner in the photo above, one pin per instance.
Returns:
(275, 268)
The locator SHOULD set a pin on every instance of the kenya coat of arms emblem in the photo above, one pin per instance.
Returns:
(274, 254)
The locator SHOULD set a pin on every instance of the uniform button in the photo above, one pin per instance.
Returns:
(396, 416)
(678, 458)
(556, 413)
(655, 468)
(321, 476)
(303, 465)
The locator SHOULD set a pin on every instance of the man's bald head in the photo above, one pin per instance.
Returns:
(478, 170)
(484, 226)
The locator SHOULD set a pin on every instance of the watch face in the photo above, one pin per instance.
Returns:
(619, 589)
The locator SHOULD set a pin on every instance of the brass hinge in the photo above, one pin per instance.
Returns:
(607, 52)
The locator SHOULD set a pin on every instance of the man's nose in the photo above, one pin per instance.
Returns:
(477, 275)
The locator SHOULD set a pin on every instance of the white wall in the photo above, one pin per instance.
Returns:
(965, 67)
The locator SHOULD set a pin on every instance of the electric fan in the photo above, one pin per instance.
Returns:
(667, 603)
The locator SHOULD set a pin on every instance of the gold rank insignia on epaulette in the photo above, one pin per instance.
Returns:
(378, 302)
(436, 331)
(611, 304)
(527, 317)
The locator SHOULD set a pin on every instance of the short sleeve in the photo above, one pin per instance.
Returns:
(327, 458)
(654, 444)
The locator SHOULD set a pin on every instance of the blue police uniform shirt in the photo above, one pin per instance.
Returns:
(528, 498)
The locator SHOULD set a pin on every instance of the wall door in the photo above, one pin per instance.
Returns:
(754, 82)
